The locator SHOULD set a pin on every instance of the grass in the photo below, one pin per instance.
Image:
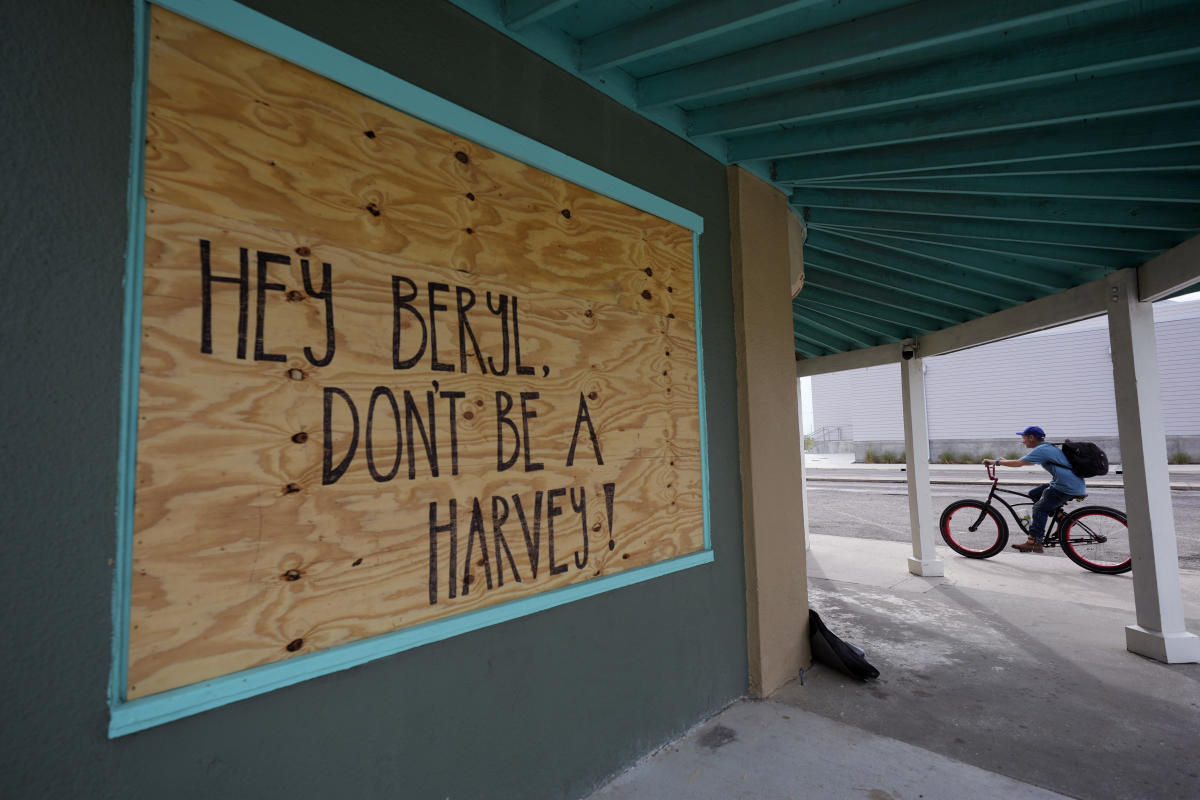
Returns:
(884, 457)
(1180, 457)
(1013, 455)
(950, 457)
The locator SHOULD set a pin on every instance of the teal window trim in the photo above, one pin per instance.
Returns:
(237, 21)
(131, 360)
(701, 391)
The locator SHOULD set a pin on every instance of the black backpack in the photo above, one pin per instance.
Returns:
(842, 656)
(1086, 459)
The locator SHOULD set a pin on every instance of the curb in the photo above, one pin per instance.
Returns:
(1175, 487)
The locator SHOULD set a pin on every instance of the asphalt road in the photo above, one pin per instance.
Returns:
(880, 511)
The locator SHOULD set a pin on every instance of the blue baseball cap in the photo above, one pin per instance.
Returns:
(1033, 429)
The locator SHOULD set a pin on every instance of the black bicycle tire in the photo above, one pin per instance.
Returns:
(1069, 549)
(1001, 528)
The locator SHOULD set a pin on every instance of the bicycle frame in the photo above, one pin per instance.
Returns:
(1051, 538)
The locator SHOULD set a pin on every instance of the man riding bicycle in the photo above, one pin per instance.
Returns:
(1048, 497)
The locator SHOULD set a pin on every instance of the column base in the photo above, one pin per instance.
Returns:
(1169, 648)
(933, 568)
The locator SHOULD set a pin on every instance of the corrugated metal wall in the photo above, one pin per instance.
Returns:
(1062, 382)
(1060, 379)
(1179, 357)
(865, 401)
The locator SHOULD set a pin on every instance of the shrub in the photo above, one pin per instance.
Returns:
(809, 443)
(903, 457)
(1179, 457)
(945, 457)
(871, 457)
(888, 457)
(986, 454)
(1013, 455)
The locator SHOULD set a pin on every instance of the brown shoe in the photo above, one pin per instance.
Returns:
(1028, 547)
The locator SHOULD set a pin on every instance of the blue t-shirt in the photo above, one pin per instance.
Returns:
(1051, 459)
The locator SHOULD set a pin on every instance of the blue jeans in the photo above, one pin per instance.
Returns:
(1045, 501)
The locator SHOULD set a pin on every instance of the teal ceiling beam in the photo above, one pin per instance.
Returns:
(926, 30)
(520, 14)
(838, 302)
(1080, 258)
(871, 326)
(1164, 159)
(814, 341)
(1174, 88)
(677, 26)
(919, 289)
(805, 319)
(815, 336)
(853, 337)
(1181, 186)
(1135, 42)
(805, 349)
(831, 276)
(1139, 241)
(1072, 211)
(1085, 137)
(1001, 290)
(1032, 276)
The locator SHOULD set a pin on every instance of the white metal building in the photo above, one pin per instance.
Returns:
(1060, 379)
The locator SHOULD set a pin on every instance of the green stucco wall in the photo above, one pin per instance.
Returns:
(546, 706)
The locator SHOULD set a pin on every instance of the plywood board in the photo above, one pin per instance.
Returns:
(385, 379)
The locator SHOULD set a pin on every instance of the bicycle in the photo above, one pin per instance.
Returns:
(1094, 537)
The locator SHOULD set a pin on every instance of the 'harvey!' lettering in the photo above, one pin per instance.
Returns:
(415, 320)
(445, 538)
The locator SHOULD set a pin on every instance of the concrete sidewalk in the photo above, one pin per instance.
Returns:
(1008, 677)
(770, 750)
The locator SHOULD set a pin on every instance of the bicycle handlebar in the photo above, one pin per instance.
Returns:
(991, 471)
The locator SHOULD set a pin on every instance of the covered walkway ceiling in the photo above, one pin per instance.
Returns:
(951, 159)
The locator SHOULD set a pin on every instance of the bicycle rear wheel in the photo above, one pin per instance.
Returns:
(973, 529)
(1097, 538)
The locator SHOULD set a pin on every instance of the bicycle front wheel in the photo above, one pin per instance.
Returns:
(1097, 538)
(973, 529)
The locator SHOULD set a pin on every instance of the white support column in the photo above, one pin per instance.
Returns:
(1160, 632)
(916, 444)
(803, 466)
(804, 496)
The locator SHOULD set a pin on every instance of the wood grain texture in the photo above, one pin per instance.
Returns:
(247, 549)
(235, 131)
